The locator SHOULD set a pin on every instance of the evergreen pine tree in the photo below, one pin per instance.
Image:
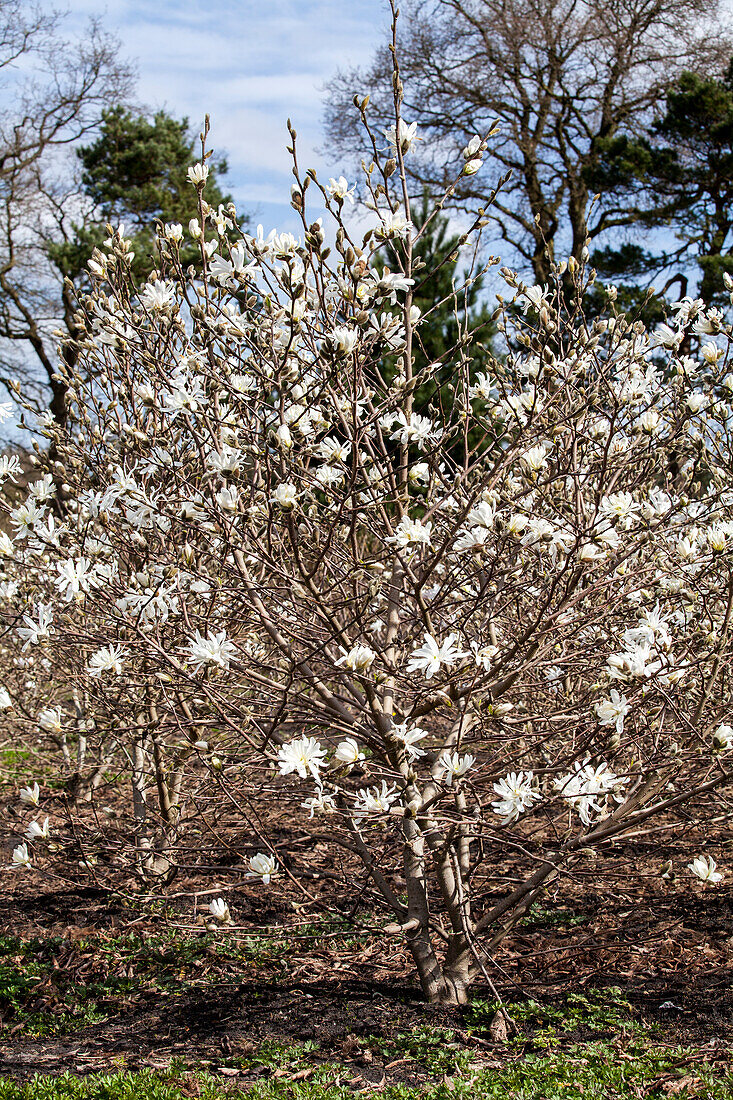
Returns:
(135, 173)
(677, 177)
(449, 309)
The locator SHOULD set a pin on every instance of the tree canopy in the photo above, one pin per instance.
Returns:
(559, 80)
(54, 90)
(678, 176)
(134, 173)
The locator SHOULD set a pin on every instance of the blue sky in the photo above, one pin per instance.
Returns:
(250, 64)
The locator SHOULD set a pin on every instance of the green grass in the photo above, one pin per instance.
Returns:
(14, 764)
(274, 1055)
(36, 990)
(538, 916)
(25, 970)
(595, 1071)
(593, 1045)
(434, 1048)
(38, 976)
(593, 1014)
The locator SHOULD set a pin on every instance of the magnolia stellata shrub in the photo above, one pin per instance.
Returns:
(496, 623)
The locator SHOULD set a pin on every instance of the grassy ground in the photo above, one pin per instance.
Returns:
(626, 1062)
(617, 984)
(185, 1028)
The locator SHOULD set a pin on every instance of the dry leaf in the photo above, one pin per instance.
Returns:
(498, 1027)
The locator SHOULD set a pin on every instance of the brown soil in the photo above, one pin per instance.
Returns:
(612, 921)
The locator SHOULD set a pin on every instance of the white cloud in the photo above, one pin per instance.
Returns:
(250, 66)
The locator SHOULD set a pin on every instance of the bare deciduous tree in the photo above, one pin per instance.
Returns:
(556, 75)
(54, 92)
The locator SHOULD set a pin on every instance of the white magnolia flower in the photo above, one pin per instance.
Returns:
(703, 867)
(430, 657)
(284, 437)
(717, 538)
(390, 282)
(410, 738)
(263, 867)
(31, 796)
(340, 189)
(303, 755)
(214, 649)
(285, 495)
(185, 395)
(516, 524)
(407, 135)
(483, 655)
(333, 450)
(472, 148)
(668, 337)
(198, 174)
(38, 832)
(9, 467)
(649, 421)
(348, 752)
(411, 532)
(226, 460)
(534, 296)
(711, 353)
(221, 220)
(228, 499)
(108, 659)
(419, 430)
(375, 800)
(220, 911)
(27, 516)
(75, 577)
(611, 712)
(43, 489)
(319, 803)
(586, 787)
(285, 245)
(473, 155)
(687, 550)
(723, 737)
(620, 506)
(471, 167)
(473, 539)
(159, 296)
(50, 719)
(344, 340)
(515, 795)
(328, 476)
(419, 474)
(358, 659)
(394, 224)
(482, 389)
(452, 766)
(21, 856)
(696, 402)
(5, 700)
(533, 460)
(98, 264)
(482, 514)
(687, 309)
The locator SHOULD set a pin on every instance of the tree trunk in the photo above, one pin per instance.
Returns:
(140, 806)
(442, 985)
(457, 989)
